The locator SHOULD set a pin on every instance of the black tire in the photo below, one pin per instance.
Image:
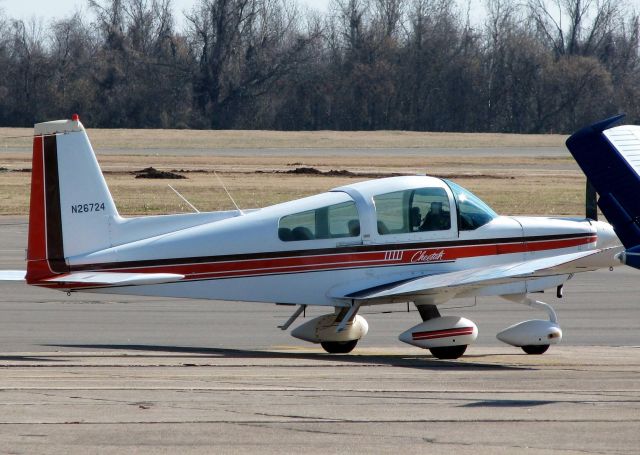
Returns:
(535, 349)
(449, 352)
(339, 347)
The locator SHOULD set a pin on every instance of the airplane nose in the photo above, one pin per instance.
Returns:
(606, 236)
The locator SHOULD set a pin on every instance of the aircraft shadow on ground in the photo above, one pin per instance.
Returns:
(27, 358)
(508, 403)
(396, 360)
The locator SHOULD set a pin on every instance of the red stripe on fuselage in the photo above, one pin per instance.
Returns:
(311, 263)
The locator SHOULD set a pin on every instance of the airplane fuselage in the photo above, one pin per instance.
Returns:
(247, 257)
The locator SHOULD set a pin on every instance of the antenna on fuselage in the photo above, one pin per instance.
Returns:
(184, 199)
(228, 194)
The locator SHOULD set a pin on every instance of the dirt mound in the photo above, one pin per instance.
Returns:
(314, 171)
(304, 170)
(342, 173)
(153, 173)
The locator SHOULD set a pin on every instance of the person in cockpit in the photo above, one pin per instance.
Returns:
(436, 219)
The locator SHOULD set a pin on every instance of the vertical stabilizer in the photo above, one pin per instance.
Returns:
(71, 207)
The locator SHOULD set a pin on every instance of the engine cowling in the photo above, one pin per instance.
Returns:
(535, 332)
(323, 329)
(440, 332)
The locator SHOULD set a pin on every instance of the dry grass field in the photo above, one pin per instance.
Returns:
(104, 139)
(511, 184)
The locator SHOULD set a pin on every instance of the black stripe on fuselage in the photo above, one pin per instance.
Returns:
(55, 246)
(319, 252)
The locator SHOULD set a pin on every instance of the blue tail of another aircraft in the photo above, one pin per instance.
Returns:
(610, 158)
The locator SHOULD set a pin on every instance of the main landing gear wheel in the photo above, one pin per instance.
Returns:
(535, 349)
(449, 352)
(338, 347)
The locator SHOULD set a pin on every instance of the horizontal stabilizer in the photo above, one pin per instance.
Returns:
(114, 278)
(463, 280)
(12, 275)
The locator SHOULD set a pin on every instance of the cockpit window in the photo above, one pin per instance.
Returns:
(472, 211)
(333, 221)
(421, 209)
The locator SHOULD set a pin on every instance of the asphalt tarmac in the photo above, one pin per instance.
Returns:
(88, 373)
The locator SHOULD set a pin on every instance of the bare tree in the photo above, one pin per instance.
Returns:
(574, 91)
(244, 47)
(5, 64)
(538, 66)
(352, 17)
(572, 27)
(389, 14)
(72, 47)
(142, 70)
(28, 77)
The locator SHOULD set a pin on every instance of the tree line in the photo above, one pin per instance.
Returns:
(425, 65)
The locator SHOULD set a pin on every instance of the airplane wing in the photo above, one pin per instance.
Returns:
(114, 278)
(460, 281)
(89, 279)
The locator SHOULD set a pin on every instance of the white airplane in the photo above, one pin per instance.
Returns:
(414, 239)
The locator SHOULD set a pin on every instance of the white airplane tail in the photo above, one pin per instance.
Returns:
(71, 207)
(72, 213)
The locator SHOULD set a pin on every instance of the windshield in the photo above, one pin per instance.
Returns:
(472, 211)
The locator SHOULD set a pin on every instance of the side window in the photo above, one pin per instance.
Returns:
(432, 206)
(418, 210)
(333, 221)
(391, 212)
(299, 226)
(343, 220)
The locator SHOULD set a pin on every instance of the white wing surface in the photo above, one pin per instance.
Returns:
(115, 279)
(457, 282)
